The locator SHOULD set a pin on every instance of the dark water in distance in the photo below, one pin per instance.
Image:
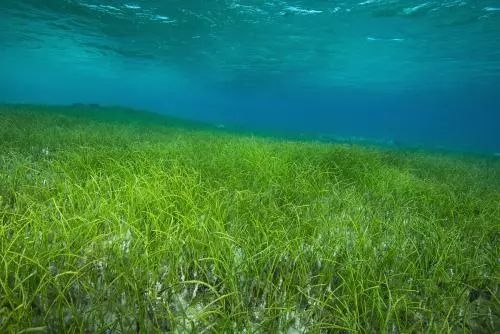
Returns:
(417, 72)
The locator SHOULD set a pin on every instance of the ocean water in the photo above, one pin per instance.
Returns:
(408, 72)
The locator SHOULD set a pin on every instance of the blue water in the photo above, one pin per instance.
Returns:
(412, 72)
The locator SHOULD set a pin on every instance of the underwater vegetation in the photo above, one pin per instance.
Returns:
(117, 221)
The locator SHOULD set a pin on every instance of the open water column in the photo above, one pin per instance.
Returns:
(415, 72)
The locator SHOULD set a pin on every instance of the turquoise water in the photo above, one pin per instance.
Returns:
(411, 72)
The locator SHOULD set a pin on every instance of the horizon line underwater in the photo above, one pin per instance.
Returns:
(236, 166)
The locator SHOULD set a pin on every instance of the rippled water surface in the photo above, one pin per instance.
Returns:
(422, 72)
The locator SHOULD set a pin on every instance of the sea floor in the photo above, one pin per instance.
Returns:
(116, 221)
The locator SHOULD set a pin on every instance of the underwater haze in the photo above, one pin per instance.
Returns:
(410, 72)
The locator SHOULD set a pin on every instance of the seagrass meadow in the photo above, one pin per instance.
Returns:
(120, 221)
